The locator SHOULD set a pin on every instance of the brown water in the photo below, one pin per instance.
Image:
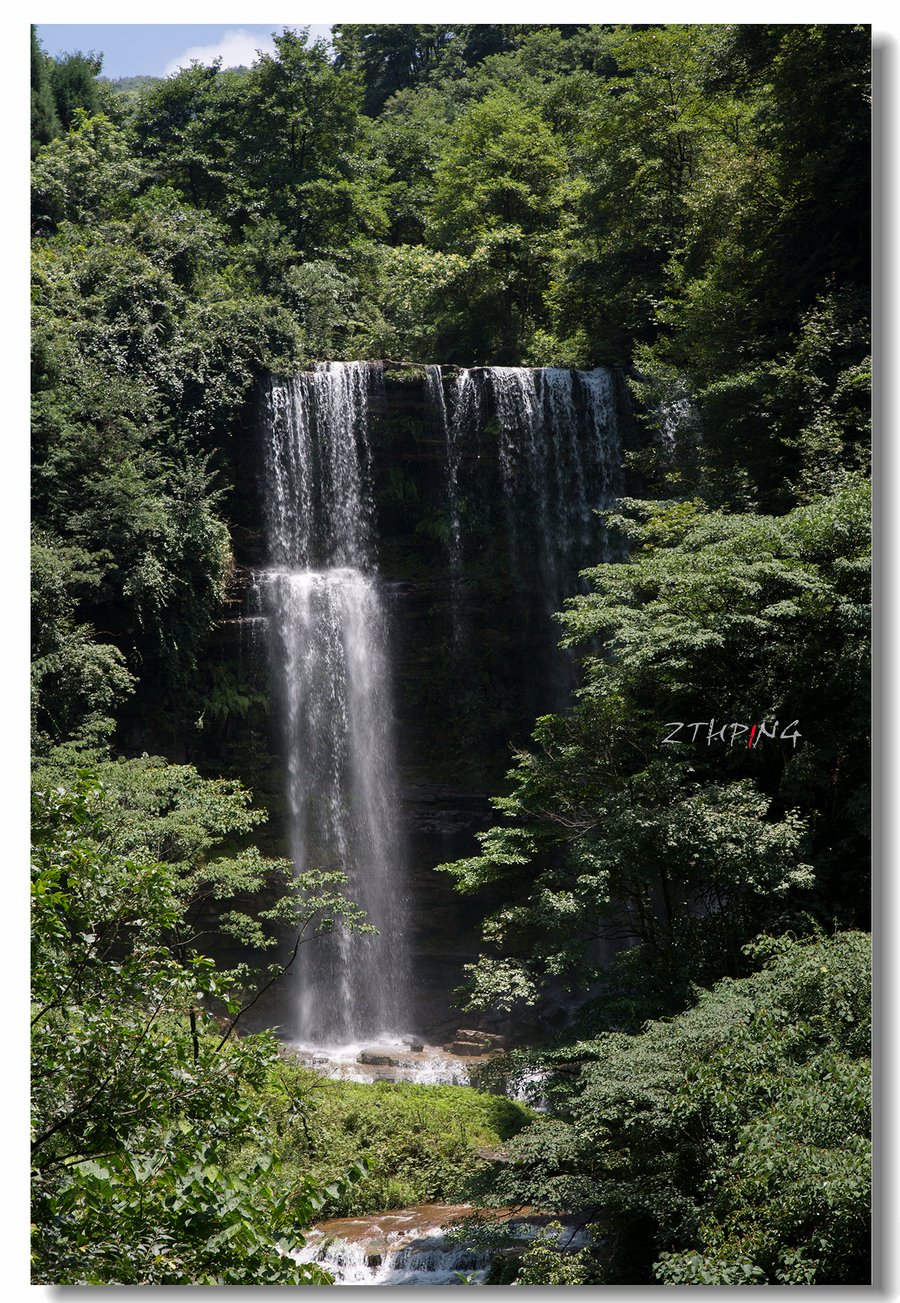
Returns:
(407, 1246)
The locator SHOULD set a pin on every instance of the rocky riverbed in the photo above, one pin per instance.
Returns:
(404, 1059)
(410, 1246)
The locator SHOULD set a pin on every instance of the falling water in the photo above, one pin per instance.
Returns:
(329, 648)
(530, 457)
(459, 433)
(559, 462)
(434, 386)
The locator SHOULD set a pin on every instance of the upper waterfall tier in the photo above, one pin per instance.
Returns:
(319, 499)
(527, 453)
(559, 461)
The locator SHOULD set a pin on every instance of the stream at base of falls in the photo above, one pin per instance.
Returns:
(409, 1060)
(408, 1246)
(386, 1060)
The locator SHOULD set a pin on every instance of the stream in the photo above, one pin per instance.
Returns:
(409, 1246)
(406, 1246)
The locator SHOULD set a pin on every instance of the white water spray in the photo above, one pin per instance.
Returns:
(329, 648)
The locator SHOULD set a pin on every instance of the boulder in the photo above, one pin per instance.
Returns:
(489, 1039)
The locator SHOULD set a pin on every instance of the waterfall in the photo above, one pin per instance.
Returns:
(558, 461)
(458, 433)
(518, 461)
(328, 642)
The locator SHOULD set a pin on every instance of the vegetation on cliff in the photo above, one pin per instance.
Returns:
(712, 778)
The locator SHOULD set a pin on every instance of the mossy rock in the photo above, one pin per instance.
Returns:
(405, 375)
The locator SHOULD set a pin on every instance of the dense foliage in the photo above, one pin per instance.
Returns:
(424, 1143)
(139, 1093)
(661, 197)
(687, 202)
(713, 776)
(726, 1146)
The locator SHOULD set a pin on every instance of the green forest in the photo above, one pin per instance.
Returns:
(687, 205)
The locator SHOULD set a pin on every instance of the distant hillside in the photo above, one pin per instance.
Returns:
(132, 86)
(129, 85)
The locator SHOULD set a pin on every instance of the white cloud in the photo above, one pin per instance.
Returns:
(236, 48)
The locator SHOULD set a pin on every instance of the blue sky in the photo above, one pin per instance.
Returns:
(132, 49)
(157, 49)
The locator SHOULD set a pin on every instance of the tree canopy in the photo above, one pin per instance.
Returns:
(712, 778)
(726, 1146)
(139, 1091)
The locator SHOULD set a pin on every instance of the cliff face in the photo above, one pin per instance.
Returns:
(483, 486)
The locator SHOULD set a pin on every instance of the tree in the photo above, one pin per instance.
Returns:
(89, 174)
(649, 137)
(726, 1146)
(175, 134)
(74, 82)
(817, 121)
(139, 1095)
(763, 323)
(76, 682)
(502, 193)
(410, 134)
(390, 56)
(724, 711)
(301, 145)
(771, 435)
(45, 124)
(147, 337)
(281, 141)
(61, 89)
(398, 57)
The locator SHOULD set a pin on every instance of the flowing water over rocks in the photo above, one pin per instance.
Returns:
(409, 1246)
(397, 1060)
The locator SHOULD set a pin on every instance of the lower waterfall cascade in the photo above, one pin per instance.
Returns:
(521, 462)
(410, 1246)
